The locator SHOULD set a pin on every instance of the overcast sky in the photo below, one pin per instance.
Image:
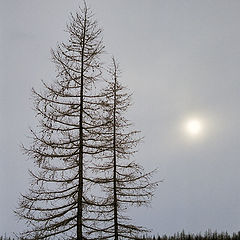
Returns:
(181, 58)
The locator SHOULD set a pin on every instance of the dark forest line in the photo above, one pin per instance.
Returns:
(208, 235)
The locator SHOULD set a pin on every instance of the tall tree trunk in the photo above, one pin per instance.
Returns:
(80, 187)
(115, 163)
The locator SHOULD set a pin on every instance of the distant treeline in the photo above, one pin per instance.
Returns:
(6, 238)
(208, 235)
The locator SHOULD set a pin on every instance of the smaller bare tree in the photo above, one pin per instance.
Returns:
(123, 180)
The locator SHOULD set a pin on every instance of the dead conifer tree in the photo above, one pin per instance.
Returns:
(57, 203)
(123, 180)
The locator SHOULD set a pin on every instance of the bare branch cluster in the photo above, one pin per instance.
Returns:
(85, 178)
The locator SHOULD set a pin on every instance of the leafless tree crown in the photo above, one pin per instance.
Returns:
(85, 177)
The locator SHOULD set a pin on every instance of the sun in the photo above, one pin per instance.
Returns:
(194, 127)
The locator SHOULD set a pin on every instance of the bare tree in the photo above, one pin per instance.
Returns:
(58, 201)
(123, 180)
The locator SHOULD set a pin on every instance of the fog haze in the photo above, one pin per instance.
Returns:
(181, 59)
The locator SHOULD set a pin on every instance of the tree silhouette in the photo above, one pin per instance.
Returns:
(123, 181)
(58, 199)
(84, 178)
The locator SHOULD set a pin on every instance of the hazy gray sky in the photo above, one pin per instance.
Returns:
(181, 58)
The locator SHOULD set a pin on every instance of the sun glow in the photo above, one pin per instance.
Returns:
(194, 127)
